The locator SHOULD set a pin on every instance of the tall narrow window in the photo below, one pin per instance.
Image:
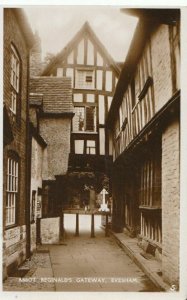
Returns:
(14, 79)
(12, 191)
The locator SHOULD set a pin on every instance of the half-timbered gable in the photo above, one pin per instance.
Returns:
(94, 76)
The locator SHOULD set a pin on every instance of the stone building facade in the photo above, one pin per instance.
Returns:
(144, 129)
(51, 111)
(18, 40)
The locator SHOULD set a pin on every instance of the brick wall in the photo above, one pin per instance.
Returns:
(161, 66)
(170, 203)
(13, 34)
(14, 241)
(56, 132)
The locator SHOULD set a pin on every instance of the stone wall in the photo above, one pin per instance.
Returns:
(50, 230)
(36, 182)
(15, 247)
(33, 237)
(170, 203)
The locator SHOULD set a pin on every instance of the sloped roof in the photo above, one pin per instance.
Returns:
(86, 28)
(56, 91)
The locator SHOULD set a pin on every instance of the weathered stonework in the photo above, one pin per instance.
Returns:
(15, 243)
(50, 230)
(56, 132)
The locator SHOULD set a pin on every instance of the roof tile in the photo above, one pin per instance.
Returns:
(57, 93)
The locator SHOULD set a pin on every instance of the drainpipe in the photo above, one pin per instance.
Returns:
(28, 169)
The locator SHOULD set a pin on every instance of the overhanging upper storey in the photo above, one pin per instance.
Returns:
(149, 80)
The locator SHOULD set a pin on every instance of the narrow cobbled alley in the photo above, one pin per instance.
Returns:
(81, 264)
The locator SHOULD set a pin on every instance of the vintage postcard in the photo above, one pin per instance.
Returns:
(91, 103)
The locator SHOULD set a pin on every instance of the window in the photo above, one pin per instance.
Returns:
(14, 79)
(85, 79)
(12, 191)
(89, 78)
(90, 147)
(150, 180)
(84, 119)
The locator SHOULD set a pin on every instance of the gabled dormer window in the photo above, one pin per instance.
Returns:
(14, 79)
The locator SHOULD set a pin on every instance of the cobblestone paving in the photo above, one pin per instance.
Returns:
(39, 266)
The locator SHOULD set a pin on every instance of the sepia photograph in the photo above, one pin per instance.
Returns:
(91, 149)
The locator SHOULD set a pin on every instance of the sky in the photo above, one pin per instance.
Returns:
(57, 25)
